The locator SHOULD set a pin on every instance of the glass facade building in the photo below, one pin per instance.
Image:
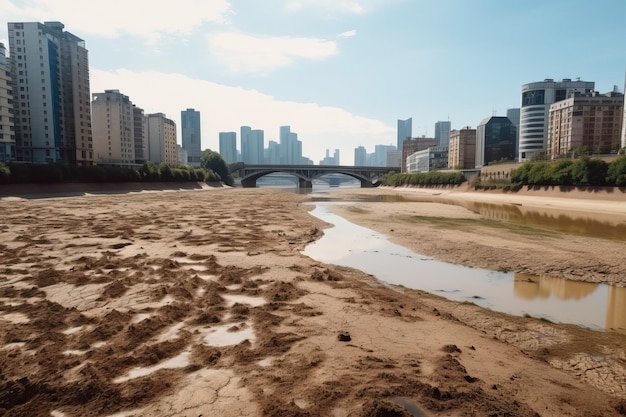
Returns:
(534, 114)
(495, 140)
(191, 136)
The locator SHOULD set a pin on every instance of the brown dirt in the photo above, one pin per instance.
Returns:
(207, 294)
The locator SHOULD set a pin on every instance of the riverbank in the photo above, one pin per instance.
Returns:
(550, 238)
(200, 303)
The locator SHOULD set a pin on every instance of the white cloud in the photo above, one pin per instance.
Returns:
(225, 108)
(144, 18)
(333, 6)
(251, 54)
(348, 34)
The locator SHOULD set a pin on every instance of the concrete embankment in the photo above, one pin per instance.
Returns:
(76, 189)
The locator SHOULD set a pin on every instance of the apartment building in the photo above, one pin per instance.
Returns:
(462, 149)
(591, 121)
(52, 110)
(113, 129)
(7, 128)
(161, 139)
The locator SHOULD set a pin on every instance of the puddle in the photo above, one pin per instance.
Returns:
(264, 363)
(231, 299)
(72, 330)
(179, 361)
(14, 345)
(16, 318)
(597, 306)
(141, 317)
(72, 352)
(192, 267)
(207, 277)
(223, 336)
(171, 333)
(409, 406)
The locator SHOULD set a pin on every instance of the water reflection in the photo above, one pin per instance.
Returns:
(531, 287)
(596, 225)
(597, 306)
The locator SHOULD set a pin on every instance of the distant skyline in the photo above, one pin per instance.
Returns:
(339, 72)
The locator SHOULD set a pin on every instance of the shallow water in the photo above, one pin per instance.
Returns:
(597, 306)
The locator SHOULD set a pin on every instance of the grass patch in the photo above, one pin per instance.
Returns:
(355, 209)
(472, 224)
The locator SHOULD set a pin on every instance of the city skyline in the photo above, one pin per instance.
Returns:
(340, 73)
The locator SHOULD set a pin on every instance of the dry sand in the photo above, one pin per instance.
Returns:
(199, 303)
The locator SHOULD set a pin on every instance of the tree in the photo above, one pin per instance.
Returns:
(213, 161)
(616, 174)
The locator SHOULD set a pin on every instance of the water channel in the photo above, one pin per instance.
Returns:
(596, 306)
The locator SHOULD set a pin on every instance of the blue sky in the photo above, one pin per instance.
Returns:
(339, 72)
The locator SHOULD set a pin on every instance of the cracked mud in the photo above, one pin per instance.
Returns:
(196, 303)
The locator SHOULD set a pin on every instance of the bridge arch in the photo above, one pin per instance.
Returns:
(368, 176)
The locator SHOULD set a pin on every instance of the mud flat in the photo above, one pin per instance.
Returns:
(199, 302)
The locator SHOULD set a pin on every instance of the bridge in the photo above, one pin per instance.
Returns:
(368, 176)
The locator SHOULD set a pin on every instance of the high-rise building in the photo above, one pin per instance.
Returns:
(290, 147)
(588, 121)
(272, 153)
(113, 129)
(495, 140)
(331, 160)
(256, 145)
(252, 144)
(534, 114)
(405, 130)
(442, 133)
(191, 136)
(161, 139)
(462, 149)
(624, 118)
(360, 155)
(50, 71)
(139, 135)
(228, 146)
(244, 135)
(7, 127)
(514, 117)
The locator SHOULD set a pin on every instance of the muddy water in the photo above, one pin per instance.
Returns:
(596, 306)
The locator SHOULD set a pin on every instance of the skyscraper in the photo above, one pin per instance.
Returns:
(256, 143)
(405, 130)
(536, 100)
(495, 140)
(113, 129)
(228, 146)
(360, 155)
(50, 70)
(191, 136)
(7, 127)
(442, 133)
(290, 147)
(244, 145)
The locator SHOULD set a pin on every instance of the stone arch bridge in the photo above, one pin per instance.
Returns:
(368, 176)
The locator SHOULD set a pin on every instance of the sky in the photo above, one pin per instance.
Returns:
(339, 72)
